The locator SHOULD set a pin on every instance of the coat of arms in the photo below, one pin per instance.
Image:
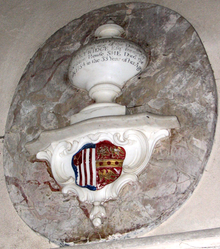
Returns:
(96, 165)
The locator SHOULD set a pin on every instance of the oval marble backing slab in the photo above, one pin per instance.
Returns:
(178, 81)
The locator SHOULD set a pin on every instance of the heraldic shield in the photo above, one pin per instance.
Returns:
(96, 165)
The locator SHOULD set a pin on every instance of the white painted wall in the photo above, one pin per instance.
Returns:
(24, 26)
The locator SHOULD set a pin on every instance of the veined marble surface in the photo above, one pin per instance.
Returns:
(178, 81)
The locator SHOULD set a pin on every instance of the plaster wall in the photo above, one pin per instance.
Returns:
(24, 26)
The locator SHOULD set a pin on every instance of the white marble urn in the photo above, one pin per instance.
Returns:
(103, 67)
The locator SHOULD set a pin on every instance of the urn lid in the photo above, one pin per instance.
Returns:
(108, 30)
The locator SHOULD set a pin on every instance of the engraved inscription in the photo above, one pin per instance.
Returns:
(109, 51)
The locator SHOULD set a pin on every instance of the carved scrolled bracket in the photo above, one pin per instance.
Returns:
(96, 164)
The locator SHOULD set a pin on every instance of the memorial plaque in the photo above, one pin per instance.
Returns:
(178, 81)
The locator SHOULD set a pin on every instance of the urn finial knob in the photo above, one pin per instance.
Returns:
(108, 30)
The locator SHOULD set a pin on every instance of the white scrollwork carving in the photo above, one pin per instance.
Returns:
(138, 146)
(137, 135)
(97, 213)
